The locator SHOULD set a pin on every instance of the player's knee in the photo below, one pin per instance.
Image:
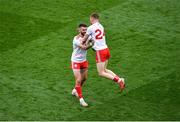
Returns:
(78, 80)
(106, 70)
(101, 73)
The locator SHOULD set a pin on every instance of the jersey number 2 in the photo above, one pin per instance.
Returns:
(99, 34)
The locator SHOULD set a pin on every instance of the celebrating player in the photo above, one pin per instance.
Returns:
(96, 32)
(79, 63)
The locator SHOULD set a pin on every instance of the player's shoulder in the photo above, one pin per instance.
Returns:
(90, 27)
(77, 37)
(99, 24)
(96, 25)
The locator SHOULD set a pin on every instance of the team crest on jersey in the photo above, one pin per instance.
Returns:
(75, 65)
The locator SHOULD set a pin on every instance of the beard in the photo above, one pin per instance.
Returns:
(82, 33)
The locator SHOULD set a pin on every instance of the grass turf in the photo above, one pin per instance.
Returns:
(36, 45)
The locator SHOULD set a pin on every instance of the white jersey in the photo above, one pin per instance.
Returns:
(96, 31)
(78, 55)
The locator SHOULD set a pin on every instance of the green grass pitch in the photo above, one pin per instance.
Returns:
(35, 50)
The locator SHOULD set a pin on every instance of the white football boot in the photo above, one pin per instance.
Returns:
(74, 93)
(83, 103)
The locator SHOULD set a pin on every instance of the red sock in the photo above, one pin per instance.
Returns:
(116, 78)
(79, 91)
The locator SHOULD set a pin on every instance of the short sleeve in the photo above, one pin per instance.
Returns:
(89, 31)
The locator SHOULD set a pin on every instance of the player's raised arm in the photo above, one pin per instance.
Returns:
(88, 34)
(84, 47)
(85, 39)
(88, 45)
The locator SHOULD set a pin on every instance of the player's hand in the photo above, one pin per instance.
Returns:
(83, 42)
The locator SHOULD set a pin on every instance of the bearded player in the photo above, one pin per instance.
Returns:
(96, 32)
(79, 63)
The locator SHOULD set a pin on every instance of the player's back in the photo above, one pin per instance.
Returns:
(96, 31)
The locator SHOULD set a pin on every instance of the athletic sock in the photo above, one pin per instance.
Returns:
(79, 91)
(116, 78)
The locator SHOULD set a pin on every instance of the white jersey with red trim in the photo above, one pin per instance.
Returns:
(78, 55)
(96, 31)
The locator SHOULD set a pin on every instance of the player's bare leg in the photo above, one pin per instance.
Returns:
(102, 72)
(77, 76)
(77, 91)
(84, 74)
(101, 67)
(120, 81)
(109, 71)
